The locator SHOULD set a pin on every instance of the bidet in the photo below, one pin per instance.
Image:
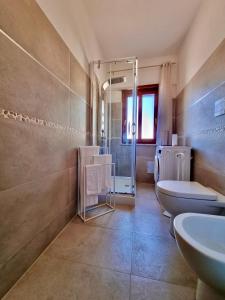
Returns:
(201, 240)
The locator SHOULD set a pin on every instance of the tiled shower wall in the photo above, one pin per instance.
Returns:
(44, 113)
(198, 127)
(144, 153)
(122, 153)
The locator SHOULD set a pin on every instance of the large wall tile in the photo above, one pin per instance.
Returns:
(75, 142)
(207, 78)
(25, 22)
(198, 127)
(180, 124)
(116, 110)
(144, 154)
(210, 177)
(42, 124)
(29, 152)
(146, 150)
(116, 129)
(29, 208)
(26, 87)
(204, 132)
(179, 103)
(121, 156)
(79, 114)
(79, 80)
(141, 170)
(73, 185)
(122, 153)
(19, 263)
(73, 281)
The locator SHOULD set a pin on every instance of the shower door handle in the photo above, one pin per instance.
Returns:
(133, 128)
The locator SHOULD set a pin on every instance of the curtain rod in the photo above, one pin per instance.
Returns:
(144, 67)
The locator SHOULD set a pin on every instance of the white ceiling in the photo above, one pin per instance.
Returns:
(143, 28)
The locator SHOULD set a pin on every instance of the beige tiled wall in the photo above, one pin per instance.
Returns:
(40, 80)
(144, 154)
(196, 124)
(122, 153)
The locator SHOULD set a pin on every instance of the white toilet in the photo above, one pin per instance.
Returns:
(178, 197)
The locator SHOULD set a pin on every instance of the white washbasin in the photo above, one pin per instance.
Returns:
(201, 239)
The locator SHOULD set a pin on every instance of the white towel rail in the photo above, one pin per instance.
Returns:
(106, 201)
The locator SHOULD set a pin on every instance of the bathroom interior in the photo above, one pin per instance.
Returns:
(112, 149)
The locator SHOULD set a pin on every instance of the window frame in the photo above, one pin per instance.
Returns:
(141, 90)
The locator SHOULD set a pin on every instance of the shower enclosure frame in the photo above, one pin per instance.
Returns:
(134, 61)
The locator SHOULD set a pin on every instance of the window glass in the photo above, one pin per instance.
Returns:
(147, 103)
(129, 116)
(147, 126)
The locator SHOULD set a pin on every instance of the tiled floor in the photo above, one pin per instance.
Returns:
(127, 254)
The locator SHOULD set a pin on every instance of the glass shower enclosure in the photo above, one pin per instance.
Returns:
(116, 110)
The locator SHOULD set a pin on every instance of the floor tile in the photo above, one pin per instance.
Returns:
(95, 246)
(158, 258)
(59, 279)
(150, 223)
(120, 219)
(127, 220)
(95, 260)
(148, 289)
(146, 200)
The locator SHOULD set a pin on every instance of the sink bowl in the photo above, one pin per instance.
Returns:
(201, 240)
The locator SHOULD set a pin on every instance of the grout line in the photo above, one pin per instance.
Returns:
(57, 258)
(199, 99)
(111, 269)
(132, 250)
(103, 227)
(166, 282)
(45, 68)
(32, 239)
(38, 179)
(87, 264)
(90, 265)
(130, 286)
(208, 93)
(35, 261)
(95, 266)
(131, 232)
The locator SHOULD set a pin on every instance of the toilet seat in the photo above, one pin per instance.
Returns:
(186, 189)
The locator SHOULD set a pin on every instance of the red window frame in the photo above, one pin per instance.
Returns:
(141, 90)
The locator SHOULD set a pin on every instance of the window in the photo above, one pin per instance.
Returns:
(147, 107)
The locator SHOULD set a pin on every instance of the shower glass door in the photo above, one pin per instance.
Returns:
(117, 115)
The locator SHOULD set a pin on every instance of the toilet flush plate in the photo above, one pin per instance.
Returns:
(219, 107)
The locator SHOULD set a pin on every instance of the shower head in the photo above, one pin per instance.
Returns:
(116, 80)
(113, 80)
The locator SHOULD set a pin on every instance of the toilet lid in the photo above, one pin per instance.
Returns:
(186, 189)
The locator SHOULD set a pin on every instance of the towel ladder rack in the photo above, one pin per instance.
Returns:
(106, 201)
